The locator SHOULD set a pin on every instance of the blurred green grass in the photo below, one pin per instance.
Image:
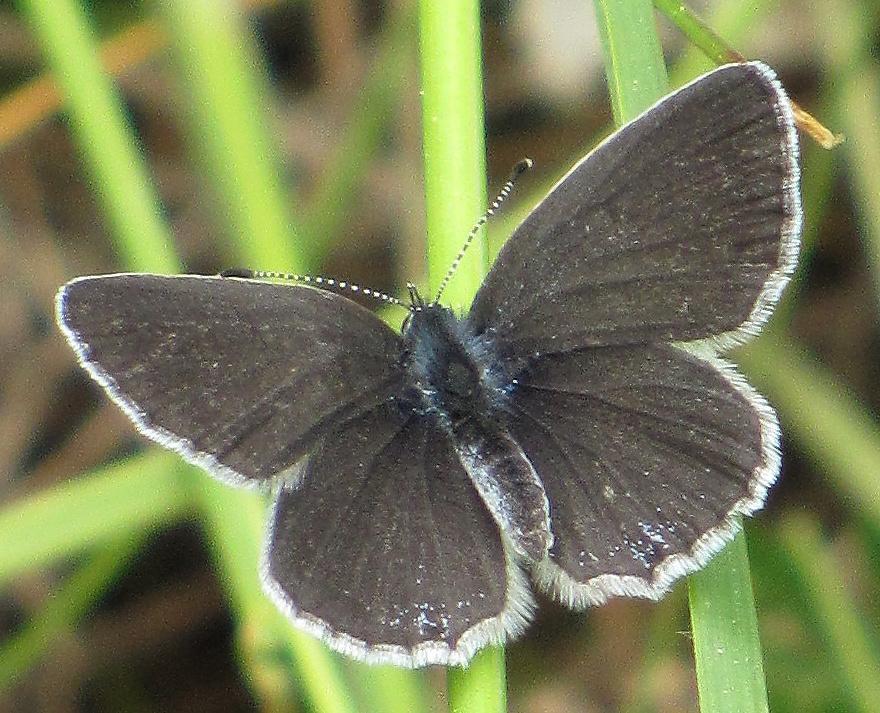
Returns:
(818, 628)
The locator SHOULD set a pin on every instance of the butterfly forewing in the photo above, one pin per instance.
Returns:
(682, 225)
(386, 551)
(241, 377)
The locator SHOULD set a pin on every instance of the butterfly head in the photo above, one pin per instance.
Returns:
(426, 322)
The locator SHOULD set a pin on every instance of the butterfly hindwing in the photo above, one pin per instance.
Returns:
(385, 550)
(647, 455)
(241, 377)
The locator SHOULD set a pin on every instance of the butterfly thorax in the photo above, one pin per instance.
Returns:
(455, 374)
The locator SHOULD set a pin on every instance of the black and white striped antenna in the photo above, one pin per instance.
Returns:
(316, 280)
(518, 170)
(417, 303)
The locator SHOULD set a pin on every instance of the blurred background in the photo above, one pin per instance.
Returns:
(128, 581)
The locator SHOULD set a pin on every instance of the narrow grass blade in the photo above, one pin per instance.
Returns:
(106, 141)
(851, 650)
(698, 32)
(454, 144)
(57, 523)
(37, 99)
(634, 64)
(730, 671)
(455, 196)
(732, 20)
(225, 80)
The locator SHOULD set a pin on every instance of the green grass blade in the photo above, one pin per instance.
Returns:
(455, 196)
(454, 142)
(841, 437)
(106, 142)
(225, 80)
(635, 69)
(730, 671)
(389, 689)
(319, 673)
(57, 523)
(634, 64)
(480, 688)
(68, 603)
(850, 647)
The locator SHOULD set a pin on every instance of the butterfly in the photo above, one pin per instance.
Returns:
(576, 432)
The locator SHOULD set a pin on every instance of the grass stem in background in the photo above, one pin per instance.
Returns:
(851, 649)
(105, 139)
(455, 196)
(232, 123)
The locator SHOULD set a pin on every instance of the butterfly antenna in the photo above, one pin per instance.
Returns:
(520, 168)
(314, 280)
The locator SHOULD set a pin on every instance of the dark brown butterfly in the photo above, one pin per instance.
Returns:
(576, 427)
